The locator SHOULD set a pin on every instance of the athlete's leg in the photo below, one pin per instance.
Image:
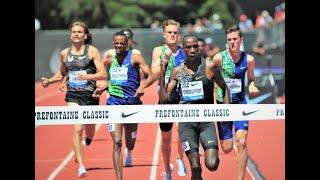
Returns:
(209, 141)
(130, 138)
(77, 145)
(130, 135)
(241, 144)
(90, 131)
(225, 136)
(166, 134)
(117, 144)
(195, 165)
(190, 140)
(182, 170)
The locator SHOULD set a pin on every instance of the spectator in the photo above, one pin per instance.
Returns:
(216, 22)
(198, 27)
(245, 23)
(155, 25)
(279, 14)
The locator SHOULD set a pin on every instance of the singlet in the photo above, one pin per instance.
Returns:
(79, 64)
(124, 78)
(175, 60)
(234, 75)
(195, 88)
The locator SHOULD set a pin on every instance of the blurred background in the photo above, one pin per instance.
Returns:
(262, 21)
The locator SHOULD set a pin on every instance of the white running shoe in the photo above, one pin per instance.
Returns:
(182, 170)
(128, 159)
(82, 172)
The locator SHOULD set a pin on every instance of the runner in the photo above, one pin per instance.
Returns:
(82, 64)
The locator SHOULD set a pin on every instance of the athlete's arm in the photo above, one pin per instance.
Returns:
(143, 66)
(100, 72)
(253, 90)
(58, 76)
(107, 55)
(165, 91)
(155, 64)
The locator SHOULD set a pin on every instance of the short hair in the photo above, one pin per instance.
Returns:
(86, 31)
(120, 34)
(170, 22)
(202, 40)
(234, 28)
(128, 33)
(186, 37)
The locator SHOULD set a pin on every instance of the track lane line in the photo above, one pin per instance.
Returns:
(65, 161)
(155, 158)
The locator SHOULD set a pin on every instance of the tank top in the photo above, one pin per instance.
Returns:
(175, 60)
(76, 64)
(124, 78)
(195, 88)
(234, 75)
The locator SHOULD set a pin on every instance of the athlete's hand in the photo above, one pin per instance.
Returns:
(168, 54)
(139, 92)
(253, 90)
(45, 82)
(97, 93)
(163, 66)
(63, 87)
(82, 76)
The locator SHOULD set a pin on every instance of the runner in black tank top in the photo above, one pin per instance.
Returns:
(81, 66)
(195, 80)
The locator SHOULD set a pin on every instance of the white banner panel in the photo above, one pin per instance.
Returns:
(102, 114)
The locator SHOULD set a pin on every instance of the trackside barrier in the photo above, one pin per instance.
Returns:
(102, 114)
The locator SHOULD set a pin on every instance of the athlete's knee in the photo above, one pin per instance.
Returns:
(117, 144)
(241, 144)
(78, 130)
(213, 163)
(130, 144)
(227, 147)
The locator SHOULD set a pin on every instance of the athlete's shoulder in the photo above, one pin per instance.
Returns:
(250, 58)
(218, 56)
(92, 48)
(64, 52)
(135, 51)
(109, 52)
(157, 51)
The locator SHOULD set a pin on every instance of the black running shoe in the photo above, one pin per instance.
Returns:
(88, 141)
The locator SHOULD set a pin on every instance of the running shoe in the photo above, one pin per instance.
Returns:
(128, 158)
(82, 172)
(182, 170)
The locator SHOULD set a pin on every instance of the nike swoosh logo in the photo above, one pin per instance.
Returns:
(242, 67)
(248, 113)
(127, 115)
(82, 57)
(194, 84)
(197, 78)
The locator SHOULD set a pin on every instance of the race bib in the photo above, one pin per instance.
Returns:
(73, 81)
(110, 127)
(192, 90)
(234, 85)
(119, 75)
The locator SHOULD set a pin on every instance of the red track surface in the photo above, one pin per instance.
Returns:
(53, 144)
